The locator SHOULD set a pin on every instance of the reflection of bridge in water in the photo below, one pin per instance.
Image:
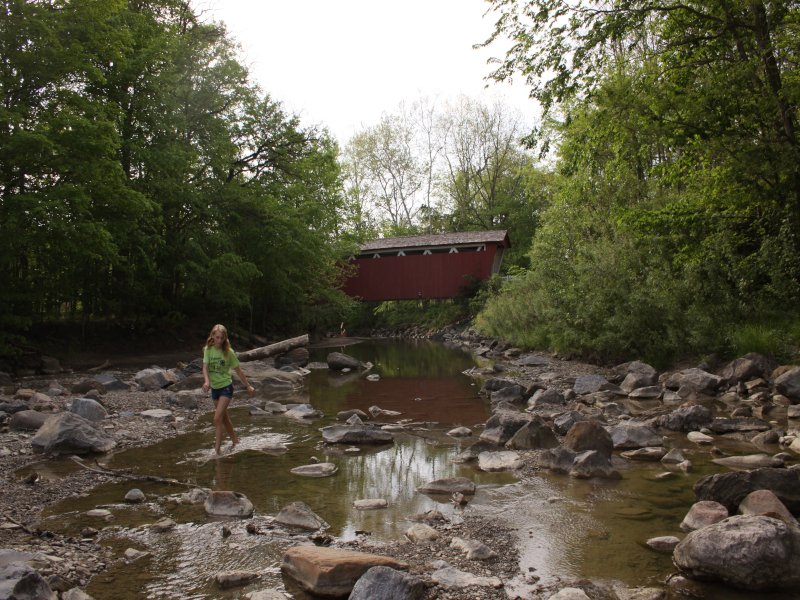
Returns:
(425, 266)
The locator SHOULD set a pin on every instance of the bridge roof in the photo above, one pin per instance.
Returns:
(441, 239)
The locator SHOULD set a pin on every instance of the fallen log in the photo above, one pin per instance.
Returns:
(273, 349)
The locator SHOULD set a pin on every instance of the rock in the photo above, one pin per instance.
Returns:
(749, 461)
(532, 436)
(652, 454)
(589, 435)
(27, 420)
(702, 514)
(788, 384)
(421, 533)
(32, 586)
(499, 461)
(158, 414)
(592, 463)
(274, 408)
(502, 426)
(370, 504)
(627, 436)
(345, 415)
(673, 457)
(13, 407)
(459, 432)
(232, 579)
(473, 549)
(302, 412)
(76, 594)
(385, 583)
(41, 402)
(355, 434)
(448, 486)
(163, 525)
(86, 385)
(67, 433)
(545, 397)
(331, 571)
(558, 459)
(338, 361)
(325, 469)
(135, 496)
(228, 504)
(298, 514)
(722, 425)
(634, 381)
(699, 438)
(377, 411)
(514, 394)
(748, 552)
(697, 380)
(664, 544)
(730, 489)
(132, 554)
(110, 382)
(531, 360)
(687, 418)
(764, 502)
(450, 577)
(563, 422)
(89, 409)
(588, 384)
(154, 378)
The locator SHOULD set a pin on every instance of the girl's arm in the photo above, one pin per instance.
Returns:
(250, 389)
(206, 384)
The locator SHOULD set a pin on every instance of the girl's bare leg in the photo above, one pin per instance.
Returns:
(220, 414)
(229, 428)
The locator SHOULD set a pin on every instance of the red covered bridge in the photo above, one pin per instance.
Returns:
(425, 266)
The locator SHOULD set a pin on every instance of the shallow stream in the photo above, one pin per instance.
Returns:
(568, 528)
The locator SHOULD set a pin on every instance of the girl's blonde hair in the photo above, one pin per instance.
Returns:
(226, 345)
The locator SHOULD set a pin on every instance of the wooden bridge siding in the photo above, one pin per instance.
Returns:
(432, 276)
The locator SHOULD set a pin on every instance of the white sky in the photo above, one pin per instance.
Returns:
(342, 63)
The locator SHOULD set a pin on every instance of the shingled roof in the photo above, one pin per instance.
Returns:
(441, 239)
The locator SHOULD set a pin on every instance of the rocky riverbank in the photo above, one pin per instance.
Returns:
(548, 413)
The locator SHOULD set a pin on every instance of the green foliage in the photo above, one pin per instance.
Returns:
(142, 176)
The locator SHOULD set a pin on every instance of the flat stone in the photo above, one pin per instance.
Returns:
(450, 577)
(499, 461)
(749, 461)
(664, 544)
(420, 533)
(331, 571)
(228, 504)
(699, 438)
(160, 414)
(316, 470)
(448, 485)
(299, 514)
(460, 432)
(232, 579)
(474, 549)
(370, 504)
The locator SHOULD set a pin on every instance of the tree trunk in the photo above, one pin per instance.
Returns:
(272, 349)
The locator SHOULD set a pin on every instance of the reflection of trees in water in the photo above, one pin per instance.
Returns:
(394, 473)
(410, 358)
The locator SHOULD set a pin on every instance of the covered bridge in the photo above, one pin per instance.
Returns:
(425, 266)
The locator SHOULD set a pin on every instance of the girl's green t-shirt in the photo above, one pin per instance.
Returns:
(219, 366)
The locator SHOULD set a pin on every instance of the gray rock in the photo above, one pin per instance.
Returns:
(324, 469)
(421, 533)
(154, 378)
(747, 552)
(558, 459)
(474, 549)
(67, 433)
(135, 496)
(89, 409)
(788, 384)
(273, 407)
(110, 382)
(563, 422)
(502, 426)
(385, 583)
(696, 380)
(338, 361)
(298, 514)
(448, 486)
(514, 394)
(302, 412)
(749, 461)
(228, 504)
(651, 454)
(722, 425)
(450, 577)
(591, 464)
(664, 544)
(345, 415)
(32, 586)
(459, 432)
(531, 360)
(625, 436)
(532, 436)
(158, 414)
(588, 384)
(646, 393)
(231, 579)
(687, 418)
(546, 396)
(499, 461)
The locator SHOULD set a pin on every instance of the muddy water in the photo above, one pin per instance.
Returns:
(567, 528)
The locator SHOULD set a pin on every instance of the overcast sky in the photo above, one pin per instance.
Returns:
(342, 63)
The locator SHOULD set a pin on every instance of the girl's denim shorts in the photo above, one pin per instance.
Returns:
(226, 391)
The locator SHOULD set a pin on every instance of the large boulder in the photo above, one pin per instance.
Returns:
(748, 552)
(68, 433)
(385, 582)
(151, 379)
(697, 380)
(89, 409)
(228, 504)
(331, 571)
(731, 488)
(533, 435)
(702, 514)
(27, 420)
(626, 436)
(589, 384)
(686, 418)
(338, 361)
(502, 426)
(788, 384)
(589, 435)
(299, 514)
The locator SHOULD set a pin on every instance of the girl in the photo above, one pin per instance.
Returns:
(218, 360)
